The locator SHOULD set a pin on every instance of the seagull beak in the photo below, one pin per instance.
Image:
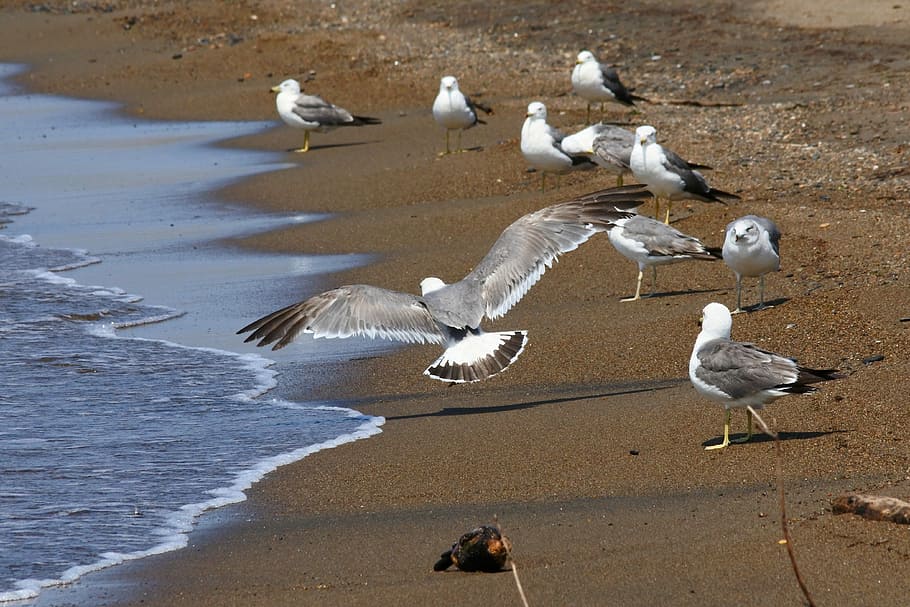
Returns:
(701, 320)
(643, 140)
(275, 89)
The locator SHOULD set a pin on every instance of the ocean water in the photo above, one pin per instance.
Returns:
(127, 405)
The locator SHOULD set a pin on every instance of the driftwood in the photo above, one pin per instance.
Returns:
(874, 507)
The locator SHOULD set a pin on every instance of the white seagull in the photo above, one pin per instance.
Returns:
(455, 111)
(451, 314)
(740, 374)
(667, 175)
(752, 248)
(312, 113)
(541, 146)
(597, 83)
(608, 145)
(650, 243)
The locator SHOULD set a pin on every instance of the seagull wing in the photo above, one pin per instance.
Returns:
(525, 249)
(347, 311)
(612, 82)
(741, 369)
(662, 240)
(315, 109)
(773, 233)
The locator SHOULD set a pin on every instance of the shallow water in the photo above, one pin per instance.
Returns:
(128, 409)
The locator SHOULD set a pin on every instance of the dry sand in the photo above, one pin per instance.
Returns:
(590, 448)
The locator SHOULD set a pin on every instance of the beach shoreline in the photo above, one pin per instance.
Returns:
(595, 465)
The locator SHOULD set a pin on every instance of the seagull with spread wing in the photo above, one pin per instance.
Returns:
(451, 314)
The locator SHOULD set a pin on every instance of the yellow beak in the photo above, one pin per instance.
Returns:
(275, 89)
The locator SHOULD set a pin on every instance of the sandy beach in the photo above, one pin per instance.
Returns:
(589, 449)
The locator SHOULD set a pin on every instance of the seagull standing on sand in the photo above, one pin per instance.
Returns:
(651, 243)
(752, 248)
(598, 83)
(608, 145)
(451, 314)
(541, 146)
(312, 113)
(454, 110)
(667, 175)
(739, 374)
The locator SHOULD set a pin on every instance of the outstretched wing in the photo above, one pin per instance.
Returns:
(525, 249)
(346, 311)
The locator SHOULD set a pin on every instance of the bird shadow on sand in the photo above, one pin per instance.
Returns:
(327, 146)
(618, 391)
(764, 438)
(678, 293)
(767, 306)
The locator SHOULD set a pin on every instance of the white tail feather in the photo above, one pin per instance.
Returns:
(477, 357)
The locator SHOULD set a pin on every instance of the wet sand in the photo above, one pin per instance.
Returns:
(589, 449)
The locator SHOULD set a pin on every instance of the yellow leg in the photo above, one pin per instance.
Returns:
(619, 180)
(669, 206)
(726, 433)
(637, 290)
(748, 431)
(306, 143)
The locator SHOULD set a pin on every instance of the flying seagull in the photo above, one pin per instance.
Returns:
(596, 83)
(752, 248)
(312, 113)
(667, 175)
(455, 111)
(651, 243)
(540, 145)
(451, 314)
(740, 374)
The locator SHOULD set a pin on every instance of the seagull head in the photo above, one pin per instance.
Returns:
(430, 284)
(745, 231)
(716, 321)
(537, 110)
(584, 57)
(448, 83)
(288, 86)
(646, 134)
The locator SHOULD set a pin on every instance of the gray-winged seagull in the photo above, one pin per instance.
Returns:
(651, 243)
(752, 248)
(667, 175)
(312, 113)
(608, 145)
(455, 111)
(596, 83)
(740, 374)
(451, 314)
(541, 146)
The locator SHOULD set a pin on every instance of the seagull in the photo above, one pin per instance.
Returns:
(454, 110)
(649, 242)
(752, 248)
(608, 145)
(451, 314)
(540, 145)
(312, 113)
(597, 83)
(667, 175)
(741, 374)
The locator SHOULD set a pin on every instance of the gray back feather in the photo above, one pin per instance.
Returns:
(741, 369)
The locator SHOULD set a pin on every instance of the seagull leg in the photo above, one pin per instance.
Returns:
(761, 293)
(588, 118)
(739, 293)
(601, 112)
(543, 181)
(306, 143)
(669, 206)
(653, 281)
(458, 138)
(748, 431)
(726, 433)
(441, 154)
(637, 290)
(619, 180)
(657, 207)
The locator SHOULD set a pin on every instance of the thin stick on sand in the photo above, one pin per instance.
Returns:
(508, 545)
(783, 504)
